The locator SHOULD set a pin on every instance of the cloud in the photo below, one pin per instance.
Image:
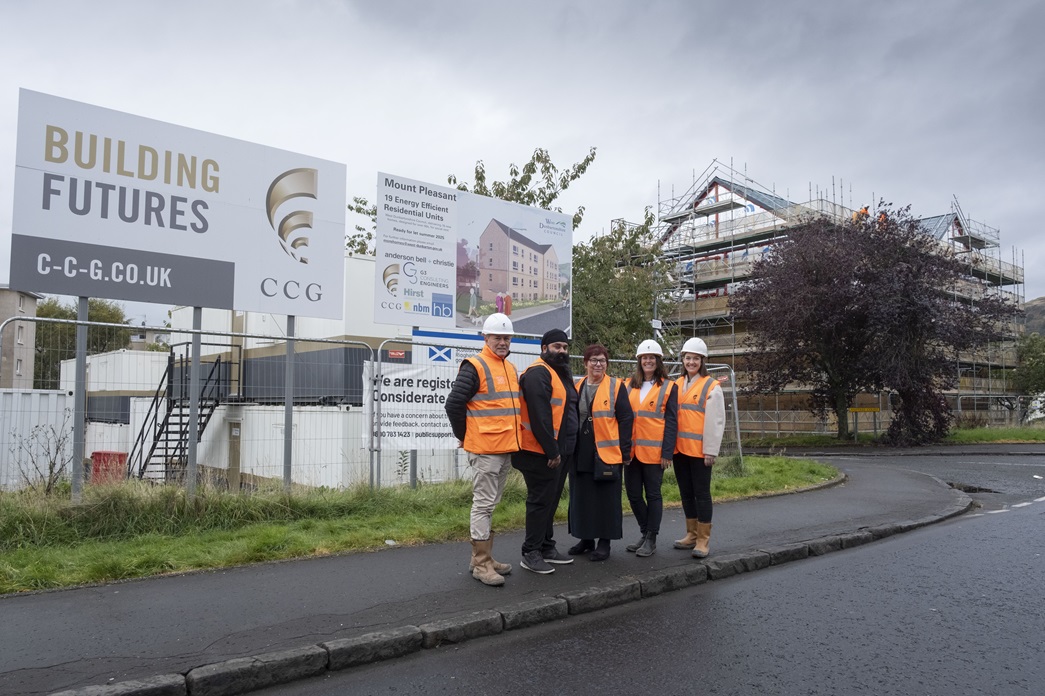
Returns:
(911, 102)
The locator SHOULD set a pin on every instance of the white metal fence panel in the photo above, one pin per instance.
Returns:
(35, 436)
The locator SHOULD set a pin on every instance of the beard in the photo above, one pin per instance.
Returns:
(556, 359)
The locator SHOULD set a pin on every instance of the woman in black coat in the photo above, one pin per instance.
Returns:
(605, 436)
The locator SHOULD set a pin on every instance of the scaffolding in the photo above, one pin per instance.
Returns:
(717, 229)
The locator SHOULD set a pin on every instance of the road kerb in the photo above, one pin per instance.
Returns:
(461, 628)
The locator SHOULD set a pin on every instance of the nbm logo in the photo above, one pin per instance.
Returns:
(442, 305)
(439, 354)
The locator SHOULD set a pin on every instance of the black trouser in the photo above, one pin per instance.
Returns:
(648, 512)
(694, 486)
(543, 492)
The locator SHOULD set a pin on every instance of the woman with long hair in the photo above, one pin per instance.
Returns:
(654, 399)
(702, 423)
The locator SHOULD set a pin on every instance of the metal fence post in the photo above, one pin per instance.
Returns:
(80, 400)
(288, 407)
(194, 404)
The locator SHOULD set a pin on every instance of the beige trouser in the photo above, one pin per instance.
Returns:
(489, 472)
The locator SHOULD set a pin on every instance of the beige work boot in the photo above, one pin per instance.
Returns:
(700, 549)
(483, 570)
(499, 568)
(689, 541)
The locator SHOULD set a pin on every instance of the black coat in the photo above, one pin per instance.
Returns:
(536, 388)
(465, 387)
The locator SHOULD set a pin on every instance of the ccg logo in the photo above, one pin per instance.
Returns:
(390, 276)
(293, 183)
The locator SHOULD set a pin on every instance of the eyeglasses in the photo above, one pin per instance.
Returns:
(597, 361)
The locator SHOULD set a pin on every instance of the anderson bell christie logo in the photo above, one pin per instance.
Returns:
(293, 183)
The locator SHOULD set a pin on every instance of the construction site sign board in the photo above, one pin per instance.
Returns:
(447, 259)
(117, 206)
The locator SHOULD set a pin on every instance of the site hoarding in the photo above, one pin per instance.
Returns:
(447, 259)
(117, 206)
(413, 394)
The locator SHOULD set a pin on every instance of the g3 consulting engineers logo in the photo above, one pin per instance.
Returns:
(293, 183)
(442, 305)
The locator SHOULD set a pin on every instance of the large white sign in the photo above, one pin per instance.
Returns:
(113, 205)
(447, 259)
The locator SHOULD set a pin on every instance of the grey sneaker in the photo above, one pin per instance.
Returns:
(533, 562)
(554, 556)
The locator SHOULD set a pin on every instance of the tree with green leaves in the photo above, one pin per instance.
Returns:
(56, 342)
(538, 183)
(618, 280)
(1029, 375)
(865, 305)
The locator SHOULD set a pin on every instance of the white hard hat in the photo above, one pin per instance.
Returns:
(695, 345)
(649, 347)
(498, 324)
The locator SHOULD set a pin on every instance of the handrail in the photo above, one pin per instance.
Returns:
(151, 417)
(162, 428)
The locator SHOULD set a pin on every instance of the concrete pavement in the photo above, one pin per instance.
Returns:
(269, 619)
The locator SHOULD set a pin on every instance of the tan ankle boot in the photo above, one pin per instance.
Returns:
(700, 549)
(687, 542)
(483, 570)
(499, 568)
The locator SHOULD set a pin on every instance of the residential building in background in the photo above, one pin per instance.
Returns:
(18, 342)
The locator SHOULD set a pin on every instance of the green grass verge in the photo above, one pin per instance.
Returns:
(134, 530)
(1029, 433)
(959, 436)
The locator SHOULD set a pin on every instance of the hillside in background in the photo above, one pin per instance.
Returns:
(1035, 315)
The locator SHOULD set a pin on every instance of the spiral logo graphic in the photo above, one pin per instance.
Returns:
(390, 276)
(293, 183)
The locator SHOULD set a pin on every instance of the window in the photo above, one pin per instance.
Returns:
(515, 265)
(515, 280)
(491, 277)
(491, 246)
(490, 261)
(20, 334)
(515, 250)
(18, 366)
(21, 303)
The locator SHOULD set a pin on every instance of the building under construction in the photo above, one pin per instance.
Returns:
(714, 233)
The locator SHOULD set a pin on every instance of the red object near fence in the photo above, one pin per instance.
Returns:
(108, 467)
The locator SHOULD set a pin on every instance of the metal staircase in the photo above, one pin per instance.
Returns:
(161, 447)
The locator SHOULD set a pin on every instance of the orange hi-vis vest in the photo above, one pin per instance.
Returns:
(691, 415)
(527, 439)
(647, 434)
(603, 414)
(493, 413)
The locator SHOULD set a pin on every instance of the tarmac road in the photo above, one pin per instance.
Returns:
(953, 609)
(98, 635)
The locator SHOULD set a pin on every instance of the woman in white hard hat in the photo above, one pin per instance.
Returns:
(701, 424)
(603, 445)
(654, 399)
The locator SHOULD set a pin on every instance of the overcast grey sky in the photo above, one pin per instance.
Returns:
(912, 102)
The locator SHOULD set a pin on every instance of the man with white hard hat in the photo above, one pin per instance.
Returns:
(483, 408)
